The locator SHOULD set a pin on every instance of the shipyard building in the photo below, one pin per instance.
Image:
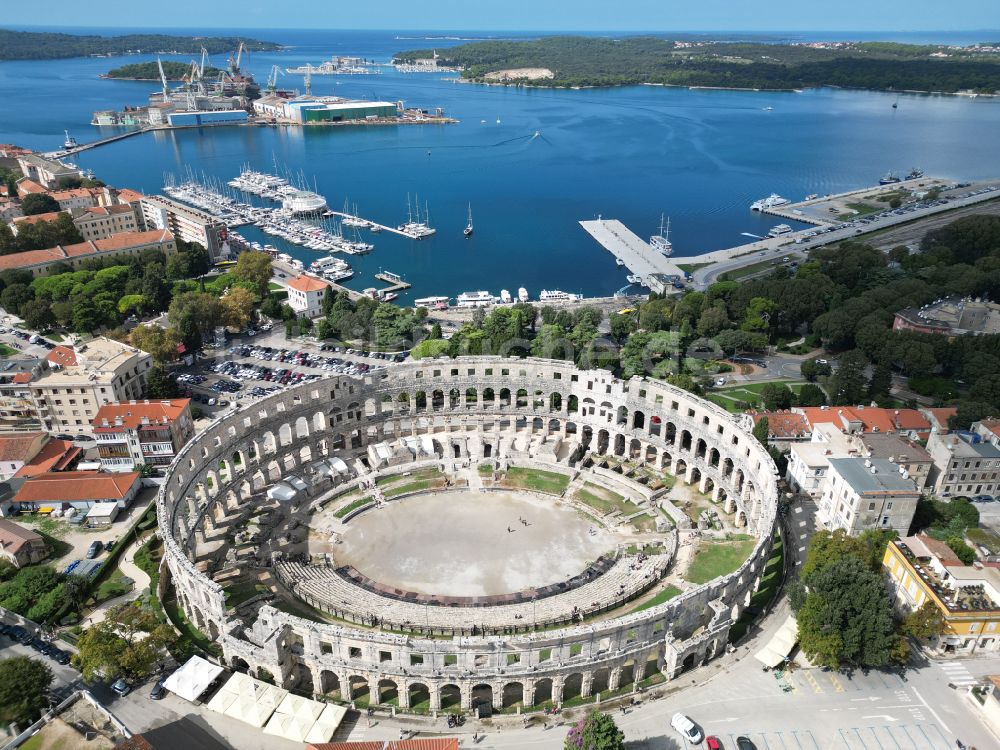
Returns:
(324, 109)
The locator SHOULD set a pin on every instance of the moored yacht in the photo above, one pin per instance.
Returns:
(771, 201)
(661, 242)
(779, 230)
(474, 299)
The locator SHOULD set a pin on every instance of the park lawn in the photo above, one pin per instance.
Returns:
(112, 586)
(717, 558)
(351, 507)
(535, 479)
(664, 595)
(604, 501)
(729, 398)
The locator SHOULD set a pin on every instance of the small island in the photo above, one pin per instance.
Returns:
(31, 45)
(575, 61)
(150, 71)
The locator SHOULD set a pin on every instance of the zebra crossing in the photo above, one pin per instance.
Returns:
(957, 673)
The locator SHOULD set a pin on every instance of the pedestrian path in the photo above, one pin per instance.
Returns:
(957, 673)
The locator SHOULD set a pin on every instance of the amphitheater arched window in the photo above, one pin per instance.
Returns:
(522, 398)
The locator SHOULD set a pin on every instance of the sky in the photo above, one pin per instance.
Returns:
(515, 15)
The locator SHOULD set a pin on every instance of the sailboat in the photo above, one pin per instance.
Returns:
(70, 141)
(661, 242)
(468, 227)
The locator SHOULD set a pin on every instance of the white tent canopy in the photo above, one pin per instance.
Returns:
(326, 724)
(247, 699)
(192, 679)
(780, 645)
(303, 720)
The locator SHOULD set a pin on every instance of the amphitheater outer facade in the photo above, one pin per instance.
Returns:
(475, 408)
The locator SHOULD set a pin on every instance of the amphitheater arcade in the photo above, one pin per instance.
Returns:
(454, 413)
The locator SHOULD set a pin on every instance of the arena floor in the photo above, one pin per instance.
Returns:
(458, 544)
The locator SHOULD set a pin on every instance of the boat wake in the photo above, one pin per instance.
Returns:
(755, 236)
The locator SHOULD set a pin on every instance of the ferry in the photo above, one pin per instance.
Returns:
(779, 230)
(505, 297)
(432, 303)
(557, 295)
(474, 299)
(771, 201)
(661, 242)
(522, 294)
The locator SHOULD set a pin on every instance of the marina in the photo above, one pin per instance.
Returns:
(648, 266)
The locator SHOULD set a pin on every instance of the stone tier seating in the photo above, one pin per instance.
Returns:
(326, 589)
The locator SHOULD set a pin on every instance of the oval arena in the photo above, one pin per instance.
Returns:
(450, 533)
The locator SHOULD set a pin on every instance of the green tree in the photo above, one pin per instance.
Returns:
(24, 689)
(435, 331)
(161, 343)
(810, 395)
(963, 551)
(38, 203)
(159, 384)
(253, 268)
(776, 396)
(848, 385)
(195, 315)
(128, 642)
(846, 617)
(881, 381)
(154, 289)
(757, 316)
(596, 732)
(811, 369)
(622, 325)
(924, 623)
(37, 314)
(761, 431)
(15, 296)
(87, 317)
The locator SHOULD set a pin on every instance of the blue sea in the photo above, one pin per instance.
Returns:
(698, 156)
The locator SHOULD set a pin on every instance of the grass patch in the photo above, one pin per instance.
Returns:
(692, 267)
(643, 523)
(350, 508)
(535, 479)
(740, 273)
(190, 635)
(661, 596)
(6, 351)
(485, 470)
(714, 559)
(396, 478)
(242, 591)
(112, 586)
(984, 538)
(861, 209)
(605, 501)
(769, 584)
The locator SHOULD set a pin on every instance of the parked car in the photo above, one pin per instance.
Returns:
(94, 549)
(744, 743)
(712, 743)
(121, 687)
(158, 690)
(686, 727)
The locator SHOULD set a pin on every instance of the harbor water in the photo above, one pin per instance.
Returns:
(532, 162)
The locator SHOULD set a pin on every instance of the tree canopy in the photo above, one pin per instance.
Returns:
(128, 642)
(24, 689)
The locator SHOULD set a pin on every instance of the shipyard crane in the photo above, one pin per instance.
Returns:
(308, 80)
(272, 79)
(234, 65)
(163, 80)
(204, 59)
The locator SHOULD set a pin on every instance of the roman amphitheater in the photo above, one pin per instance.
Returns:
(470, 533)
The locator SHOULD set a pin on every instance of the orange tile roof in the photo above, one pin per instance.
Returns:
(55, 455)
(872, 418)
(132, 414)
(910, 419)
(22, 377)
(80, 486)
(942, 414)
(62, 355)
(306, 283)
(120, 241)
(17, 446)
(123, 240)
(128, 195)
(36, 218)
(784, 424)
(26, 187)
(30, 258)
(107, 210)
(13, 536)
(62, 195)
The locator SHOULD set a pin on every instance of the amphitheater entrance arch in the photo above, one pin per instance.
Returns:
(634, 448)
(487, 450)
(304, 679)
(329, 683)
(603, 441)
(504, 397)
(555, 402)
(600, 681)
(419, 695)
(239, 665)
(454, 398)
(513, 694)
(357, 689)
(482, 695)
(572, 687)
(451, 697)
(619, 445)
(387, 692)
(543, 691)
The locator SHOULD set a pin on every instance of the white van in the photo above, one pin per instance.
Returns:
(687, 728)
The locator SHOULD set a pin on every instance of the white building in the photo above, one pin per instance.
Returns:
(305, 295)
(966, 463)
(868, 493)
(186, 223)
(809, 463)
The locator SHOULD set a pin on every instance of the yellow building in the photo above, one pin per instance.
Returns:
(922, 569)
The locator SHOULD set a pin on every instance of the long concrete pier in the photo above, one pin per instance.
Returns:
(94, 144)
(639, 257)
(380, 227)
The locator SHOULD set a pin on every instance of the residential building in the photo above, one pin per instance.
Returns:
(76, 489)
(72, 198)
(137, 433)
(83, 379)
(101, 222)
(123, 245)
(17, 449)
(186, 223)
(46, 172)
(861, 419)
(17, 407)
(10, 209)
(902, 451)
(964, 464)
(868, 493)
(939, 416)
(952, 316)
(921, 569)
(21, 546)
(305, 295)
(782, 426)
(28, 187)
(809, 463)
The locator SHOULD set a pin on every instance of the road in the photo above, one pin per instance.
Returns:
(704, 277)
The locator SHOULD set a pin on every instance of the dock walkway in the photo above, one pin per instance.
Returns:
(639, 257)
(380, 227)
